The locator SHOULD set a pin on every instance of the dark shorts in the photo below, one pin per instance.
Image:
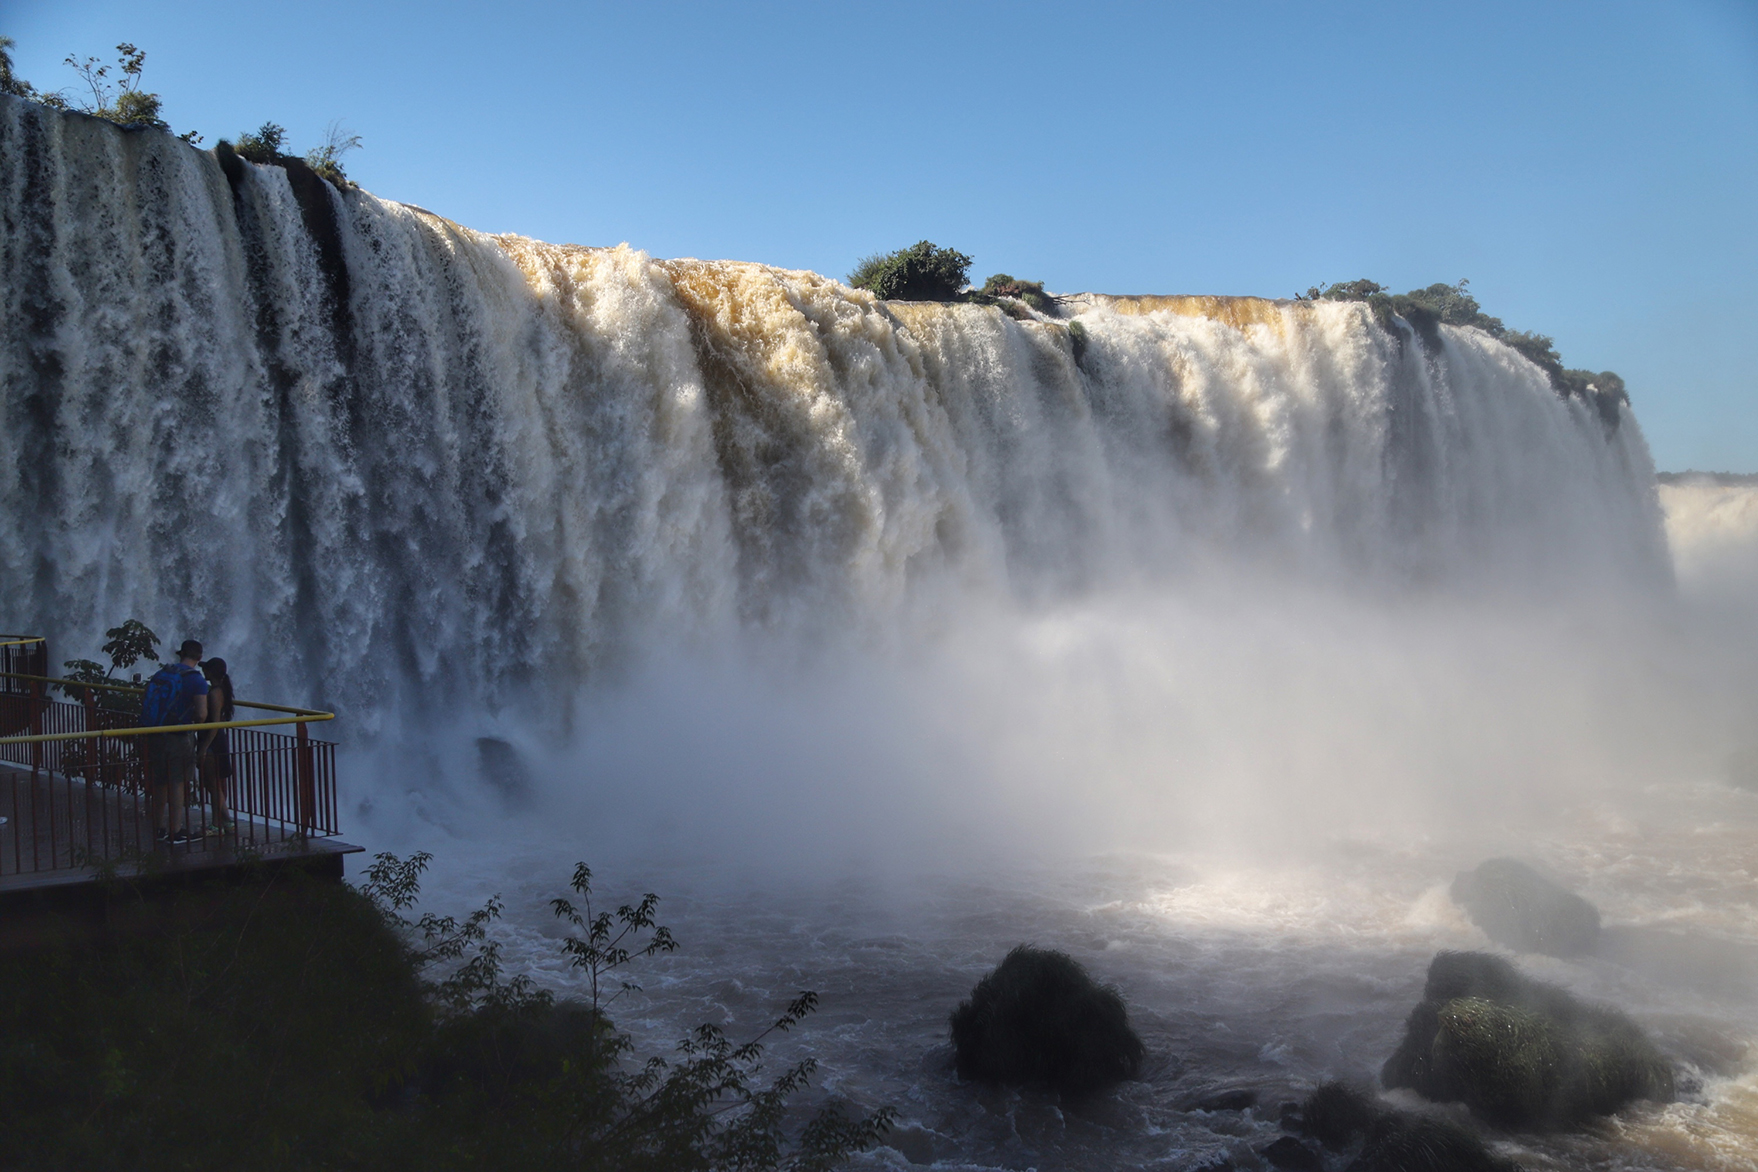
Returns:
(219, 756)
(170, 758)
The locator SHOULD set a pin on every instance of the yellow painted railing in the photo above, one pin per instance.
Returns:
(299, 716)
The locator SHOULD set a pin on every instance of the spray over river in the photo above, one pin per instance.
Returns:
(1204, 638)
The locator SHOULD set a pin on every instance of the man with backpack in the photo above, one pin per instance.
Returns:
(177, 694)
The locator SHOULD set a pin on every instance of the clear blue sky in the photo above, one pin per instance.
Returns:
(1593, 167)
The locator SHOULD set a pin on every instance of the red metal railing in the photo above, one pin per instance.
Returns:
(76, 795)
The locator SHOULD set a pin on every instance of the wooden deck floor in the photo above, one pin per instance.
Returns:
(59, 832)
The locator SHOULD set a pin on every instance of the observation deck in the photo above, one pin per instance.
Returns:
(74, 805)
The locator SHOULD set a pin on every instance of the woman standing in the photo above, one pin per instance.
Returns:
(215, 749)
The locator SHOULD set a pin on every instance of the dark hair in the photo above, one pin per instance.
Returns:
(215, 670)
(190, 650)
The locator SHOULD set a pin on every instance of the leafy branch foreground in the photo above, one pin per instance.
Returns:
(128, 645)
(311, 1025)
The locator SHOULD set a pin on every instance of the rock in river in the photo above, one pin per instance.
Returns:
(1521, 909)
(1518, 1052)
(1039, 1020)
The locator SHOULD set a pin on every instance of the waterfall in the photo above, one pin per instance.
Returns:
(380, 458)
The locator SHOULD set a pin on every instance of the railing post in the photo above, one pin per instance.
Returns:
(307, 799)
(95, 751)
(39, 704)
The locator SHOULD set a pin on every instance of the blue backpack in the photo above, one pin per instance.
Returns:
(164, 702)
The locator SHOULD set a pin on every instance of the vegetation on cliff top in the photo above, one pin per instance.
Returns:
(263, 146)
(1002, 285)
(926, 272)
(922, 272)
(1453, 305)
(118, 97)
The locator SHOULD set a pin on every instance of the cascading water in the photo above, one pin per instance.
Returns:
(1183, 577)
(342, 433)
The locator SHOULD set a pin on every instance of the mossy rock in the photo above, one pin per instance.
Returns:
(1521, 909)
(1521, 1053)
(1501, 1059)
(1039, 1020)
(1078, 341)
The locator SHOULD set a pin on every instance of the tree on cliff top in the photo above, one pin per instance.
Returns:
(122, 101)
(11, 83)
(921, 272)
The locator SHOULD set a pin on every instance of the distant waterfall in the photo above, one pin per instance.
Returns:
(377, 456)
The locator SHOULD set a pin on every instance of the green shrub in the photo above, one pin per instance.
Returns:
(1340, 1117)
(1452, 304)
(1030, 292)
(1335, 1113)
(123, 103)
(1504, 1060)
(134, 108)
(263, 1018)
(1343, 291)
(1371, 292)
(921, 272)
(263, 145)
(1400, 1142)
(326, 158)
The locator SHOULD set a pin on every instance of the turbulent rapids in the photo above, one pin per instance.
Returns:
(1204, 638)
(345, 434)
